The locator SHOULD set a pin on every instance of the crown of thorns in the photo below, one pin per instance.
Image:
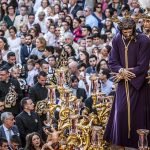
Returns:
(127, 23)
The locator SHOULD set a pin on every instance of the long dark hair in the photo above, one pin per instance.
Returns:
(29, 145)
(72, 50)
(6, 46)
(127, 23)
(2, 11)
(87, 57)
(37, 28)
(98, 67)
(70, 23)
(111, 26)
(14, 3)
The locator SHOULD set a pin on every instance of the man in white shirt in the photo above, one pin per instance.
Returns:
(90, 19)
(50, 36)
(31, 19)
(42, 21)
(105, 84)
(22, 18)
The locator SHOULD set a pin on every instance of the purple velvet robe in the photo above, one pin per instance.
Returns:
(138, 59)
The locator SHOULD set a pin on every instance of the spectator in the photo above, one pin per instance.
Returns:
(84, 57)
(105, 84)
(34, 141)
(11, 60)
(22, 18)
(15, 142)
(43, 7)
(77, 29)
(52, 64)
(49, 51)
(26, 49)
(104, 54)
(4, 50)
(86, 31)
(50, 36)
(73, 68)
(14, 42)
(108, 28)
(68, 37)
(32, 72)
(2, 33)
(102, 64)
(93, 62)
(8, 129)
(40, 47)
(41, 21)
(4, 144)
(78, 92)
(74, 7)
(3, 10)
(70, 50)
(31, 19)
(89, 44)
(11, 15)
(89, 18)
(4, 27)
(98, 14)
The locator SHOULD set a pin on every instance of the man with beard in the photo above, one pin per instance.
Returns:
(129, 60)
(147, 25)
(26, 49)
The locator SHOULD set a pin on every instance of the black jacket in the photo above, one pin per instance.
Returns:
(81, 93)
(75, 10)
(27, 124)
(14, 128)
(4, 89)
(8, 66)
(38, 93)
(3, 63)
(24, 53)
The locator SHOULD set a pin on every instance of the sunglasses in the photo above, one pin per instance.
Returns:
(98, 7)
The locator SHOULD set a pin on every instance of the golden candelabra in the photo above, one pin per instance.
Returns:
(79, 131)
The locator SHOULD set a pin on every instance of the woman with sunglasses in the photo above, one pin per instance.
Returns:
(98, 14)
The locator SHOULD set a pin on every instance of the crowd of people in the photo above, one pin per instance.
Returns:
(33, 36)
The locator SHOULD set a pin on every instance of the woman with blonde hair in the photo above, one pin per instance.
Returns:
(40, 47)
(23, 29)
